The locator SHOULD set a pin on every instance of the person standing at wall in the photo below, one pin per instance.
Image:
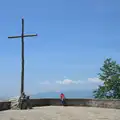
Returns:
(62, 97)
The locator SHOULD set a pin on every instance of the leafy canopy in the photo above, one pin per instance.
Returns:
(110, 75)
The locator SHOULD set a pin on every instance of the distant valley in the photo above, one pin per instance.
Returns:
(68, 94)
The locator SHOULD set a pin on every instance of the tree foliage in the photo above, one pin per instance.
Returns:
(110, 75)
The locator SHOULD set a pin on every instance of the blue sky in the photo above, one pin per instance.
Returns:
(74, 38)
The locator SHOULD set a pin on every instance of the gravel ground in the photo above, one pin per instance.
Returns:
(61, 113)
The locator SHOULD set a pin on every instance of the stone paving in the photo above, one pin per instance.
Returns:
(61, 113)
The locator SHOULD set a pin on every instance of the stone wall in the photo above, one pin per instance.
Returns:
(106, 103)
(70, 102)
(78, 102)
(40, 102)
(5, 105)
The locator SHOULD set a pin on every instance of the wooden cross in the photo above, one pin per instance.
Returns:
(22, 53)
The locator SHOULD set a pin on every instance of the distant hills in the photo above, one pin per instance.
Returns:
(68, 94)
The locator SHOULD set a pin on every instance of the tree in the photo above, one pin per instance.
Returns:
(110, 75)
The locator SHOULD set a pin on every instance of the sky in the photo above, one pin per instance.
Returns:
(74, 38)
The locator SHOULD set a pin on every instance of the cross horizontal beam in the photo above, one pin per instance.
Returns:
(23, 36)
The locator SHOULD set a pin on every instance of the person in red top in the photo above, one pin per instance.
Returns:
(62, 97)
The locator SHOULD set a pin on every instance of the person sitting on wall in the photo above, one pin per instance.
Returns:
(62, 97)
(29, 105)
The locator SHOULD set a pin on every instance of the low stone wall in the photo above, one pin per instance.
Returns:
(70, 102)
(5, 105)
(40, 102)
(78, 102)
(106, 103)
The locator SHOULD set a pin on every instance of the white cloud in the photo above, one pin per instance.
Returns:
(94, 80)
(68, 84)
(68, 81)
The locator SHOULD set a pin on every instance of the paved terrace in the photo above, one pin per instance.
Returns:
(61, 113)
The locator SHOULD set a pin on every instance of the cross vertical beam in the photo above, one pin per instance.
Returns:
(22, 54)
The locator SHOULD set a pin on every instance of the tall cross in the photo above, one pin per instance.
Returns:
(22, 53)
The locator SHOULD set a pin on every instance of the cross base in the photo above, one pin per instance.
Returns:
(24, 102)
